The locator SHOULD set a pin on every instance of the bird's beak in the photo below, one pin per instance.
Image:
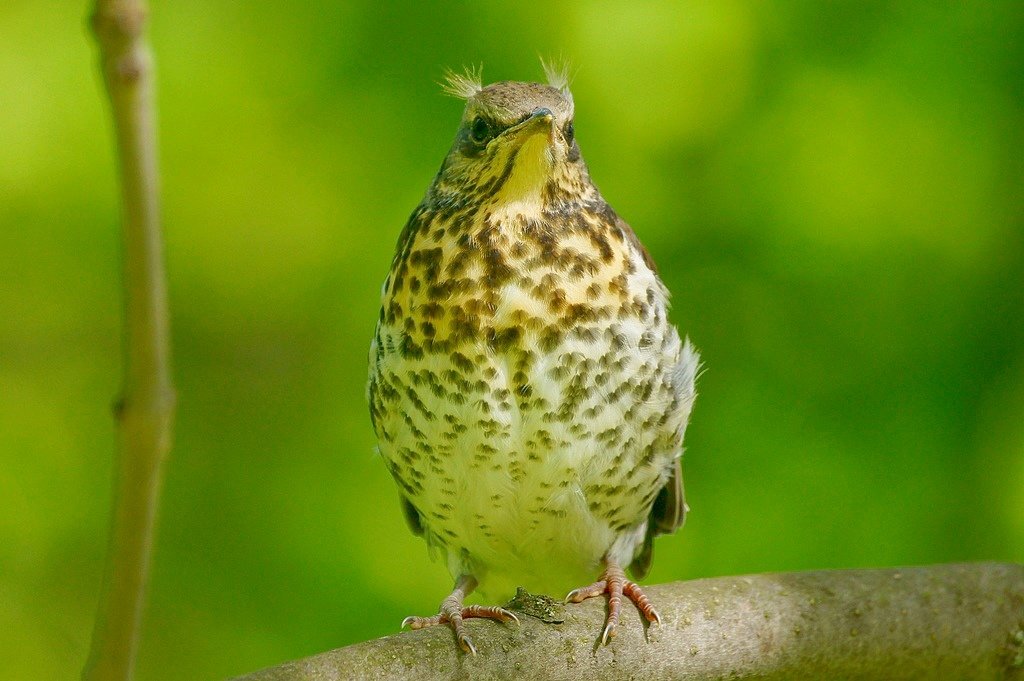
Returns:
(531, 148)
(539, 122)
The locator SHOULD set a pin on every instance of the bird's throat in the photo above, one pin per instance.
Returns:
(530, 170)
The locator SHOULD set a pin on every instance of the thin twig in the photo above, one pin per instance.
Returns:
(145, 410)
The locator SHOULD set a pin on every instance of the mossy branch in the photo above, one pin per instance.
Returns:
(940, 622)
(145, 409)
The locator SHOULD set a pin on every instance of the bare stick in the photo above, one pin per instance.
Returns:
(938, 622)
(145, 410)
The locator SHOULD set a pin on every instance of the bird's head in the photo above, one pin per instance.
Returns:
(516, 143)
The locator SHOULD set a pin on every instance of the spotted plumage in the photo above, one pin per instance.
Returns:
(528, 392)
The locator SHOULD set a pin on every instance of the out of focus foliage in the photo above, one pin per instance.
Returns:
(834, 193)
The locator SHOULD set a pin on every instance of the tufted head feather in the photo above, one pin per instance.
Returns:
(557, 73)
(463, 84)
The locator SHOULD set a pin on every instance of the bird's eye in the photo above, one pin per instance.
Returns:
(480, 130)
(569, 132)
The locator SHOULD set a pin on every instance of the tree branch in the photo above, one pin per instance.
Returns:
(941, 622)
(145, 410)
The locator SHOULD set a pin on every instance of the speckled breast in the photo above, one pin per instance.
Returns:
(521, 374)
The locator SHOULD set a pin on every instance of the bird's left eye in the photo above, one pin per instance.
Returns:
(480, 130)
(569, 132)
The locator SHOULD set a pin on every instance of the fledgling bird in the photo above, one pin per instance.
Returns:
(528, 392)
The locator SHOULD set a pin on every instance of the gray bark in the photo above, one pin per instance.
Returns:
(963, 621)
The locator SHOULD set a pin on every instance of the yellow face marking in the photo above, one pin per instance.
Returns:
(521, 193)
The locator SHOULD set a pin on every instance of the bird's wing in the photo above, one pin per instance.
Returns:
(667, 515)
(412, 516)
(669, 509)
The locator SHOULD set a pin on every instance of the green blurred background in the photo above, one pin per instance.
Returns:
(834, 193)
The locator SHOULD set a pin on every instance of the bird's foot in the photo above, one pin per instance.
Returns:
(614, 583)
(453, 613)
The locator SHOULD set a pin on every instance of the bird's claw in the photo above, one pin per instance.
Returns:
(615, 584)
(455, 617)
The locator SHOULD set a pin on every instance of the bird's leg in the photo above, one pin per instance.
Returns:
(453, 612)
(614, 583)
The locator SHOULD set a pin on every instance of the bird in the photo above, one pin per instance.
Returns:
(528, 393)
